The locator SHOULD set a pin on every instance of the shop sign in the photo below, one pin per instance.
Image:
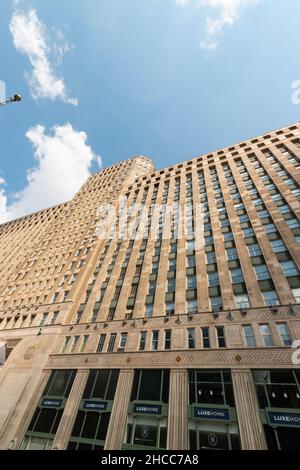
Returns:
(283, 418)
(218, 414)
(95, 405)
(147, 409)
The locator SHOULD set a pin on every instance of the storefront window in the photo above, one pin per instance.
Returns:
(210, 387)
(92, 420)
(148, 410)
(278, 393)
(212, 415)
(45, 421)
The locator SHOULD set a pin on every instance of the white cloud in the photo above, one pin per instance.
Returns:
(227, 13)
(63, 164)
(30, 38)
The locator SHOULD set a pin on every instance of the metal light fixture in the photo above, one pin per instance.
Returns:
(229, 315)
(274, 310)
(13, 99)
(291, 310)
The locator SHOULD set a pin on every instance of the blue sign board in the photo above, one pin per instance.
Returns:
(48, 403)
(218, 414)
(284, 418)
(147, 409)
(95, 405)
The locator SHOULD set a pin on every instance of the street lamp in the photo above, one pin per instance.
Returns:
(13, 99)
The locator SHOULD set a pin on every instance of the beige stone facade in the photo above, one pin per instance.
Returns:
(208, 300)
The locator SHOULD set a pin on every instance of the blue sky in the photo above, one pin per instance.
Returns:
(169, 79)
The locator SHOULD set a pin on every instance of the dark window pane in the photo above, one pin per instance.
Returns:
(90, 425)
(129, 433)
(209, 376)
(289, 438)
(282, 376)
(110, 394)
(59, 384)
(101, 384)
(210, 393)
(283, 396)
(270, 438)
(104, 422)
(89, 386)
(57, 421)
(165, 390)
(235, 442)
(229, 395)
(32, 423)
(78, 424)
(70, 384)
(150, 385)
(85, 447)
(261, 395)
(135, 385)
(45, 421)
(193, 440)
(163, 438)
(72, 446)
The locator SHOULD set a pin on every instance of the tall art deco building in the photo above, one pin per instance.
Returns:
(158, 309)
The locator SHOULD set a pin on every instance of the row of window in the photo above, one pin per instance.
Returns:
(79, 343)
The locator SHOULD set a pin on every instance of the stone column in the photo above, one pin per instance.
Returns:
(118, 418)
(178, 410)
(13, 437)
(67, 421)
(251, 428)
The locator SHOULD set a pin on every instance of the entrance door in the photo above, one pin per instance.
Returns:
(214, 436)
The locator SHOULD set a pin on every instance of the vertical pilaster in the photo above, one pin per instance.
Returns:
(119, 412)
(178, 411)
(251, 429)
(67, 421)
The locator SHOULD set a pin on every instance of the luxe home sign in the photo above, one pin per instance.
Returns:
(147, 409)
(283, 418)
(49, 403)
(217, 414)
(95, 405)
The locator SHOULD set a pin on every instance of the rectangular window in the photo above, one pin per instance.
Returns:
(143, 340)
(270, 298)
(266, 335)
(54, 318)
(65, 345)
(44, 318)
(122, 344)
(74, 344)
(221, 336)
(155, 340)
(249, 335)
(289, 268)
(168, 339)
(191, 338)
(262, 272)
(242, 301)
(101, 343)
(205, 337)
(111, 343)
(285, 334)
(84, 343)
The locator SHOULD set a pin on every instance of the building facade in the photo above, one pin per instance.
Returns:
(158, 309)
